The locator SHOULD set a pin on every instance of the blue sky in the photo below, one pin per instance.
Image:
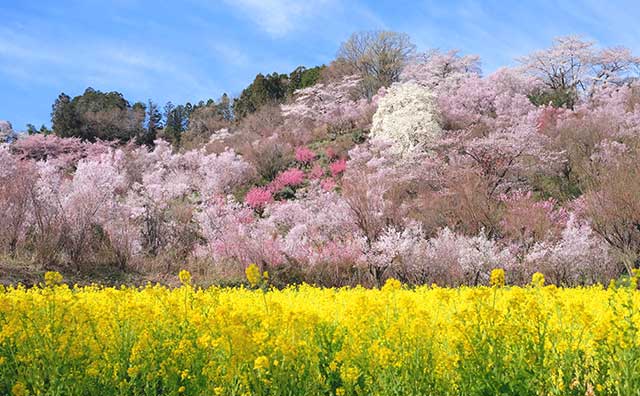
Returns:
(196, 49)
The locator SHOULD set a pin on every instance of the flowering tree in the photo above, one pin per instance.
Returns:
(292, 177)
(16, 181)
(595, 133)
(235, 238)
(318, 234)
(65, 151)
(572, 66)
(327, 103)
(407, 117)
(526, 221)
(258, 197)
(88, 202)
(613, 206)
(222, 173)
(400, 253)
(171, 184)
(579, 256)
(304, 155)
(456, 258)
(564, 66)
(492, 123)
(441, 71)
(338, 167)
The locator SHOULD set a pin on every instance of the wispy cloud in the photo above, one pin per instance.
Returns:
(203, 48)
(39, 61)
(230, 53)
(280, 17)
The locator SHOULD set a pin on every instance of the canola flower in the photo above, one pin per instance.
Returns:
(497, 278)
(537, 280)
(255, 277)
(535, 340)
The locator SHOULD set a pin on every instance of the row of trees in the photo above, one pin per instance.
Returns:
(97, 115)
(568, 69)
(377, 57)
(274, 89)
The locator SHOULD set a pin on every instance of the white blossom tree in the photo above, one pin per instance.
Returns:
(407, 117)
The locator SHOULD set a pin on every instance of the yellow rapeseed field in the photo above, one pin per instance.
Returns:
(497, 340)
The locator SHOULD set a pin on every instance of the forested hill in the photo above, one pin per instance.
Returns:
(387, 162)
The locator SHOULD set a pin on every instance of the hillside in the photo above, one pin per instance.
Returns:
(385, 163)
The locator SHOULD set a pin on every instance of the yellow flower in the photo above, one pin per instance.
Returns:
(350, 374)
(181, 389)
(19, 389)
(497, 278)
(537, 280)
(52, 278)
(261, 363)
(92, 372)
(185, 277)
(382, 354)
(227, 331)
(392, 284)
(203, 341)
(253, 275)
(132, 371)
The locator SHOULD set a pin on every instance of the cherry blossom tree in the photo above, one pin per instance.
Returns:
(492, 124)
(407, 117)
(235, 238)
(304, 155)
(327, 103)
(441, 71)
(65, 151)
(572, 66)
(460, 259)
(563, 66)
(579, 256)
(16, 181)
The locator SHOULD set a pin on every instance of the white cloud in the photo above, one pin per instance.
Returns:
(35, 60)
(230, 54)
(280, 17)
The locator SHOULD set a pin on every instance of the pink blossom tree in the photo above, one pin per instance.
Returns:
(327, 103)
(493, 125)
(572, 66)
(441, 71)
(579, 256)
(304, 155)
(65, 151)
